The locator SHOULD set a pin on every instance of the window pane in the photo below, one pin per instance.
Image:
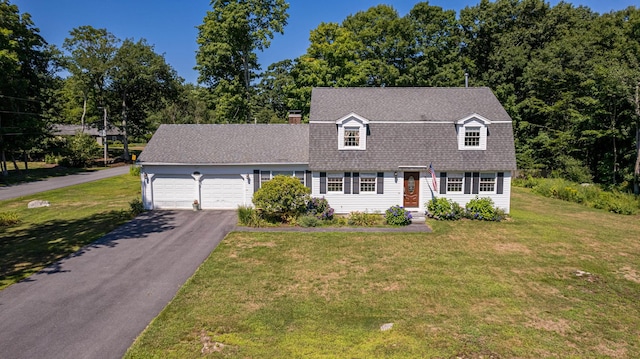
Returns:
(334, 184)
(472, 136)
(300, 176)
(454, 183)
(265, 176)
(351, 137)
(367, 184)
(487, 182)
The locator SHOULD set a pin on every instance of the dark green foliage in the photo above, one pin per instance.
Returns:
(397, 216)
(9, 219)
(319, 207)
(136, 206)
(483, 209)
(134, 170)
(281, 198)
(250, 217)
(82, 149)
(363, 219)
(441, 208)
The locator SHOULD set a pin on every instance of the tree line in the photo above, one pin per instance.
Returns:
(569, 77)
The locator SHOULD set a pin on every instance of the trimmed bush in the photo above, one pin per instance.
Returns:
(308, 221)
(397, 216)
(281, 198)
(442, 209)
(134, 170)
(363, 219)
(483, 209)
(319, 208)
(136, 206)
(9, 219)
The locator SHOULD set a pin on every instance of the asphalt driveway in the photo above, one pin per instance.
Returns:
(25, 189)
(94, 303)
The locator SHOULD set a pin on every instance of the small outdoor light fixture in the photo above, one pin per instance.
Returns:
(146, 177)
(395, 175)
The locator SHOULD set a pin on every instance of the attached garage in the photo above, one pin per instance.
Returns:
(174, 191)
(222, 192)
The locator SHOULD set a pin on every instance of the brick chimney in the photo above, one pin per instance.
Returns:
(295, 117)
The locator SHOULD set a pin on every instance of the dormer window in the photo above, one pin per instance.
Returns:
(472, 132)
(472, 136)
(351, 137)
(352, 132)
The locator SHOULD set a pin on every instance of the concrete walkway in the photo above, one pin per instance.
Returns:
(28, 188)
(94, 303)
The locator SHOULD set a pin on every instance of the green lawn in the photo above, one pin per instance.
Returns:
(467, 290)
(78, 215)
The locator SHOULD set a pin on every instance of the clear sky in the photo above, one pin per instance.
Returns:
(170, 25)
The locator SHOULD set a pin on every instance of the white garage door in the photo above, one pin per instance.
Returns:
(174, 192)
(222, 191)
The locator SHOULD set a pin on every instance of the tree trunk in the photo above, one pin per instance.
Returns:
(15, 164)
(636, 172)
(26, 161)
(3, 165)
(247, 85)
(125, 140)
(84, 109)
(105, 143)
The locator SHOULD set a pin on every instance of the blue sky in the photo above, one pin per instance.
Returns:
(170, 25)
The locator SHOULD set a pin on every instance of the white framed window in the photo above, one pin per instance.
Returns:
(368, 183)
(352, 132)
(455, 182)
(265, 176)
(472, 136)
(351, 137)
(473, 132)
(487, 183)
(300, 176)
(335, 182)
(281, 173)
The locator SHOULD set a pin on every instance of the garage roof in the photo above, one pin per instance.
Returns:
(228, 144)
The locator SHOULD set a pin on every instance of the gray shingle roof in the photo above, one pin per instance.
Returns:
(405, 103)
(228, 144)
(430, 137)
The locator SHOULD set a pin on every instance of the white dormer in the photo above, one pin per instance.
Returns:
(472, 132)
(352, 132)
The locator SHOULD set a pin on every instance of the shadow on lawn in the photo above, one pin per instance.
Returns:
(25, 250)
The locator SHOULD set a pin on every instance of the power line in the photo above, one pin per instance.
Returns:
(19, 98)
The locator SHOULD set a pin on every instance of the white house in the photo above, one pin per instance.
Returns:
(364, 149)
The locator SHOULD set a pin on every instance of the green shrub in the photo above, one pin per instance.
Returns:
(319, 207)
(363, 219)
(136, 206)
(248, 216)
(82, 149)
(442, 209)
(52, 159)
(8, 219)
(483, 209)
(308, 221)
(134, 170)
(397, 216)
(282, 197)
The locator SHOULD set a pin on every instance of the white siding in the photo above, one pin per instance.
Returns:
(500, 200)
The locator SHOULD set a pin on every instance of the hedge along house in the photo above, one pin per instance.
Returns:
(364, 149)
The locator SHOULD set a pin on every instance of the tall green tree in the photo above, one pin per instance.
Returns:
(140, 80)
(25, 76)
(228, 39)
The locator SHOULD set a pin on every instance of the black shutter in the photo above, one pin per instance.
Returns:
(443, 182)
(356, 183)
(323, 182)
(380, 183)
(500, 183)
(256, 180)
(467, 183)
(347, 183)
(476, 183)
(308, 179)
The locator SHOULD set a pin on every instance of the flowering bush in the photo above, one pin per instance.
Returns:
(443, 209)
(319, 208)
(397, 216)
(483, 209)
(282, 198)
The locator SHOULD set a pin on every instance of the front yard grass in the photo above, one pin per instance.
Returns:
(78, 215)
(468, 290)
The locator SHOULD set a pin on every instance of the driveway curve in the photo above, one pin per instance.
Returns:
(25, 189)
(94, 303)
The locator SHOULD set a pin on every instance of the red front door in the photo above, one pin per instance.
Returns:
(411, 189)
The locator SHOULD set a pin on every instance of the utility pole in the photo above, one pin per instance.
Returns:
(104, 139)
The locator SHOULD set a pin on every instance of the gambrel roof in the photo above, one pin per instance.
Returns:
(409, 128)
(228, 144)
